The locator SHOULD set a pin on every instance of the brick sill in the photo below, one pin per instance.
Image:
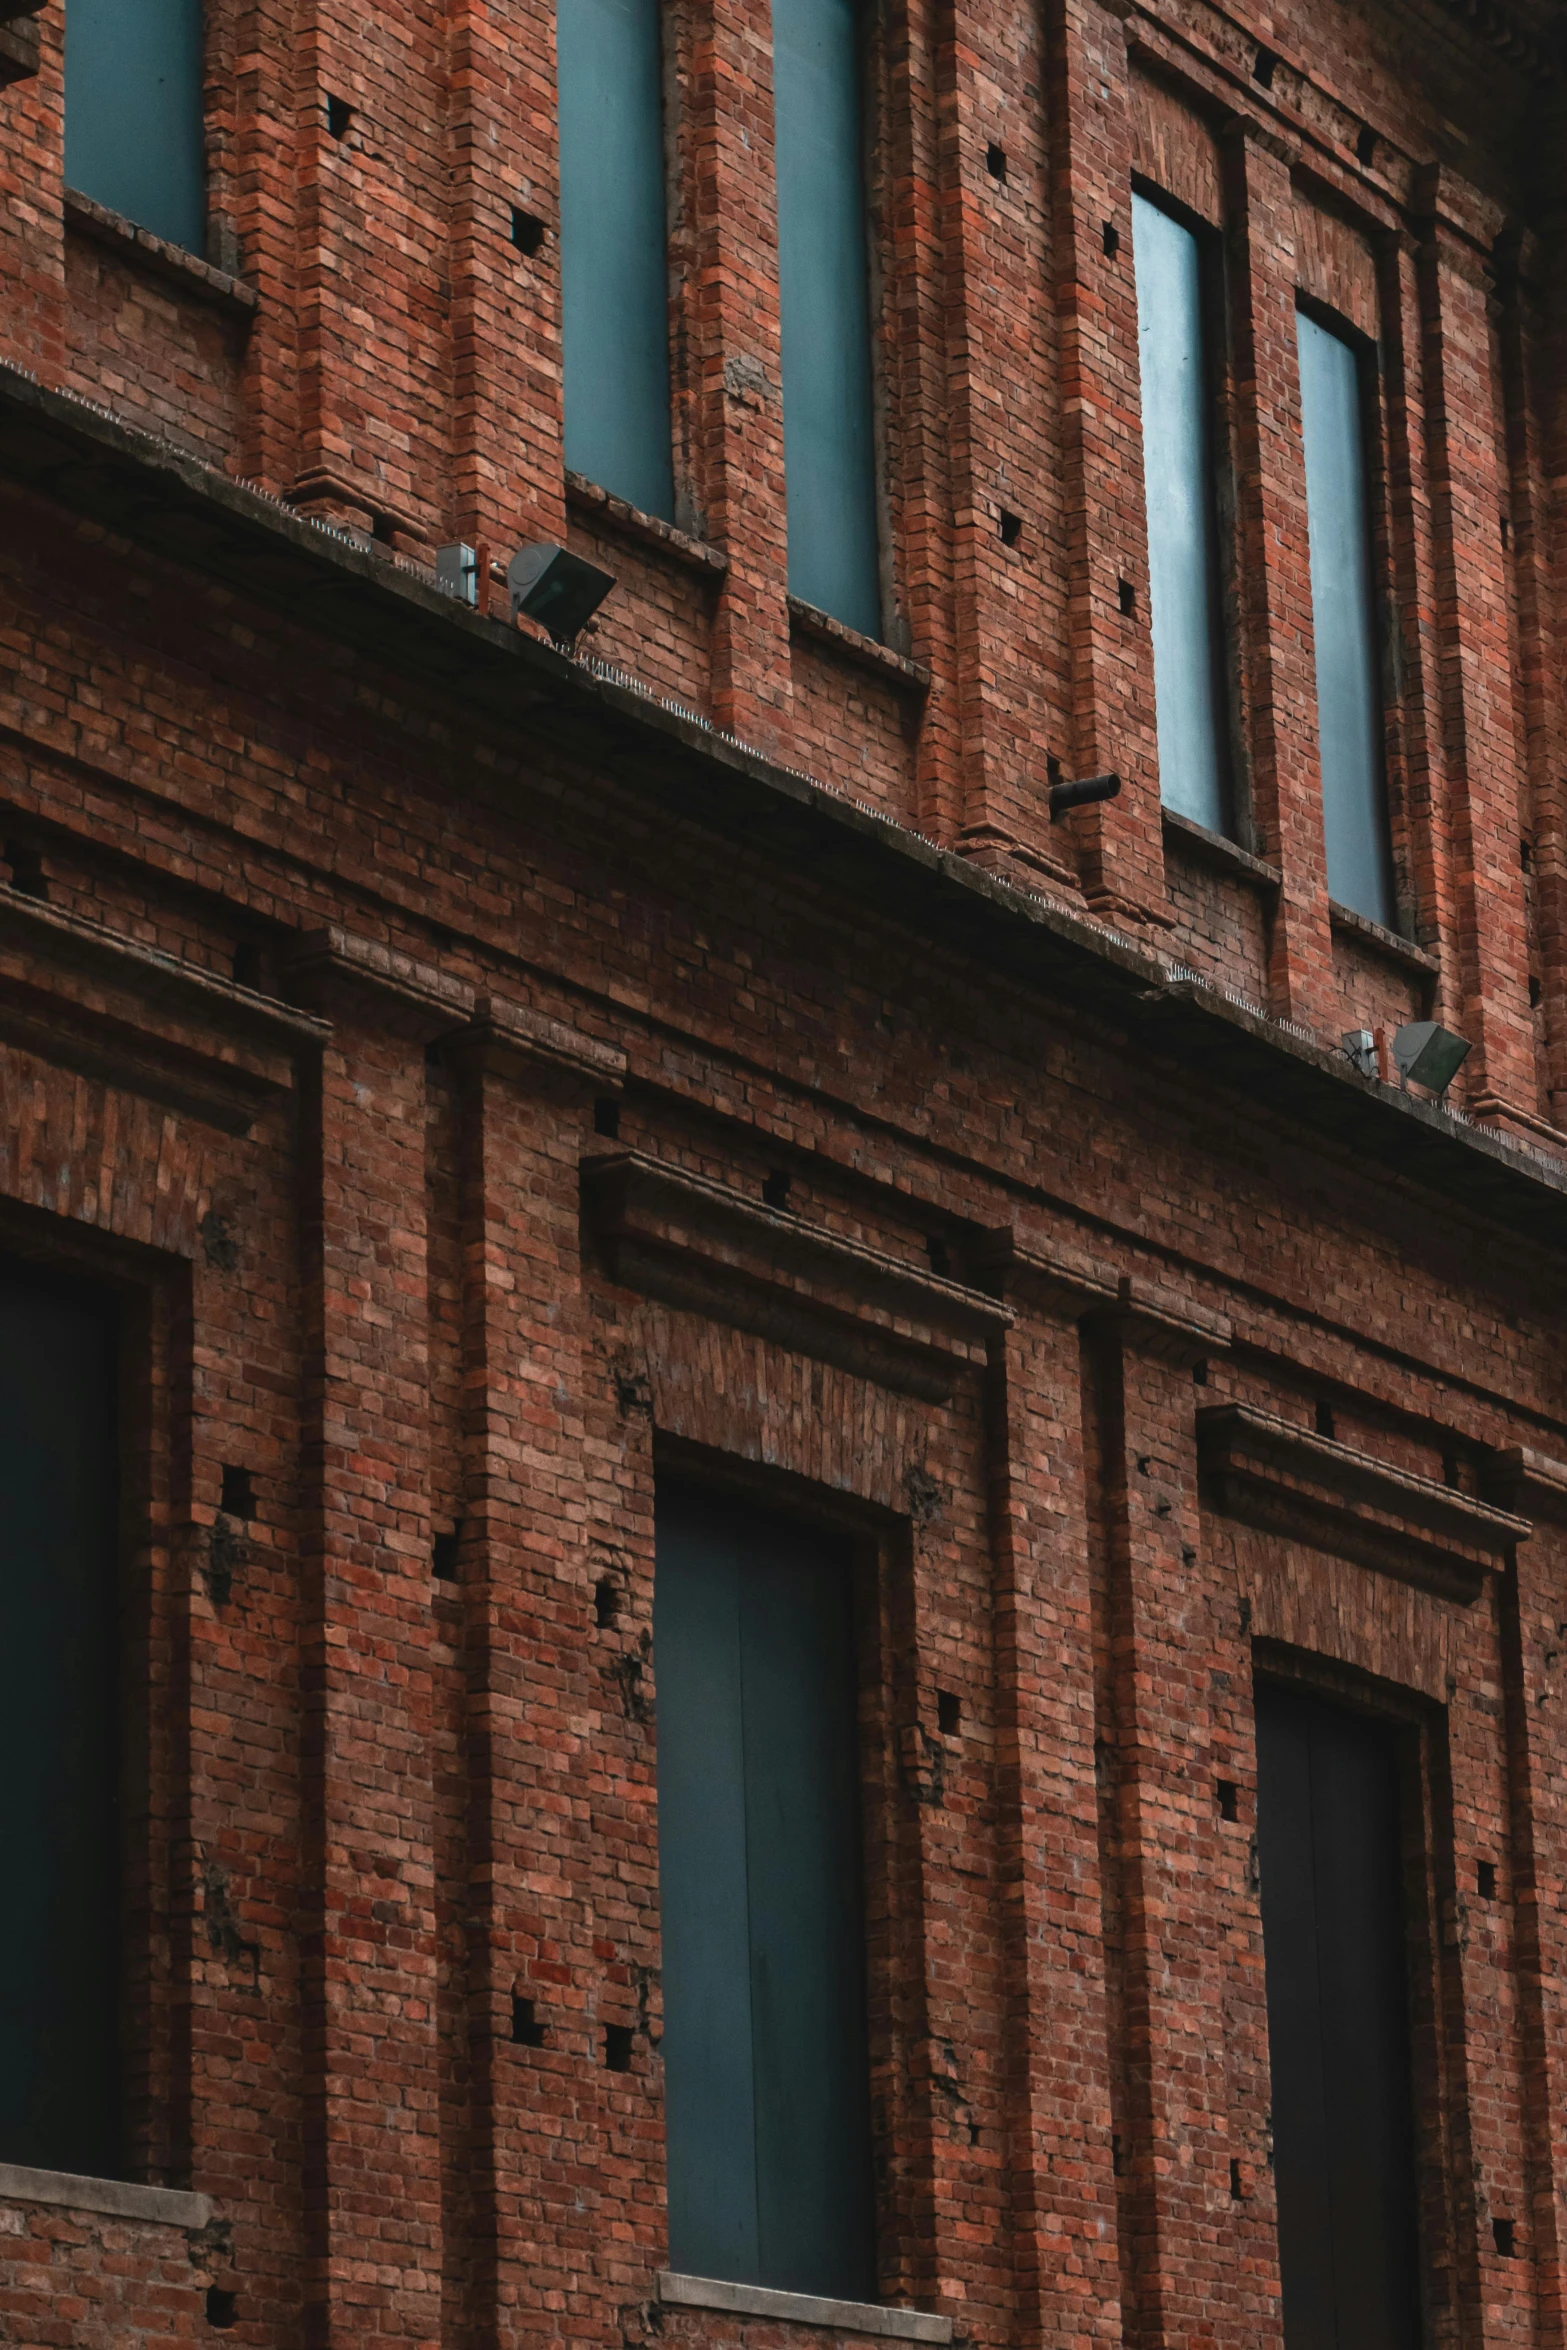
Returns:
(156, 254)
(649, 530)
(168, 2207)
(1382, 941)
(897, 668)
(844, 2317)
(1219, 849)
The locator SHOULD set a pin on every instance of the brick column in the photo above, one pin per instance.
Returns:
(32, 229)
(1063, 2193)
(508, 427)
(1469, 498)
(368, 1962)
(1200, 2261)
(543, 1897)
(737, 366)
(1279, 675)
(1119, 843)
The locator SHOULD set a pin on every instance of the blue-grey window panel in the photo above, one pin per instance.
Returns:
(1349, 700)
(765, 2056)
(1329, 1833)
(824, 293)
(1183, 576)
(134, 136)
(59, 1646)
(613, 249)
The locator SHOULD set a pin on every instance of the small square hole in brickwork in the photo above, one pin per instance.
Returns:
(443, 1555)
(940, 1256)
(339, 114)
(222, 2307)
(526, 2029)
(1535, 991)
(1199, 1374)
(1010, 527)
(617, 2047)
(1525, 854)
(250, 966)
(527, 231)
(1504, 2235)
(949, 1713)
(996, 162)
(606, 1602)
(1236, 2189)
(775, 1189)
(1485, 1880)
(1507, 532)
(1325, 1420)
(27, 869)
(1128, 597)
(238, 1497)
(1264, 66)
(1112, 239)
(1366, 145)
(606, 1118)
(1229, 1799)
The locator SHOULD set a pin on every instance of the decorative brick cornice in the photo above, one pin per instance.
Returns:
(1270, 1473)
(697, 1244)
(1519, 1478)
(331, 960)
(1159, 1322)
(1054, 1275)
(507, 1037)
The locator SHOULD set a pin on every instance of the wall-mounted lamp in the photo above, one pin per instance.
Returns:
(560, 589)
(1066, 796)
(1429, 1055)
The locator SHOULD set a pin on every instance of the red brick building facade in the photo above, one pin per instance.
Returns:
(480, 1081)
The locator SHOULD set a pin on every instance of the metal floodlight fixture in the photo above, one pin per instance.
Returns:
(556, 587)
(1066, 796)
(1429, 1055)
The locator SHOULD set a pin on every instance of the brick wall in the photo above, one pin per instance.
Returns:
(375, 976)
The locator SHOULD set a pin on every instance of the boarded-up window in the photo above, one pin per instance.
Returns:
(1183, 577)
(766, 2077)
(134, 137)
(1330, 1842)
(614, 267)
(1349, 700)
(59, 1639)
(824, 292)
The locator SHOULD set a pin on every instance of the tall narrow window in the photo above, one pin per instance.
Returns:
(1349, 702)
(59, 1836)
(613, 253)
(1328, 1817)
(1183, 571)
(766, 2076)
(134, 136)
(824, 293)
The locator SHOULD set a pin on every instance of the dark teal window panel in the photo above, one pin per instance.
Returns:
(1183, 555)
(134, 136)
(59, 1644)
(613, 249)
(1349, 700)
(765, 2059)
(824, 293)
(1330, 1848)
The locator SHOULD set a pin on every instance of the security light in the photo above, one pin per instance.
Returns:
(1066, 796)
(1429, 1055)
(560, 589)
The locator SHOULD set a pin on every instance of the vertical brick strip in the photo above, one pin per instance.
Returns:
(372, 2179)
(1063, 2232)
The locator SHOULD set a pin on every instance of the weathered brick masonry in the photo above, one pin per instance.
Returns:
(402, 1020)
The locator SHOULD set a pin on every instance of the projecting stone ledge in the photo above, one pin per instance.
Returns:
(843, 2317)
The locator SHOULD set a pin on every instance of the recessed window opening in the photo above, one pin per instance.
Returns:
(527, 230)
(237, 1496)
(1173, 310)
(135, 139)
(339, 115)
(526, 2029)
(767, 2107)
(614, 249)
(1330, 1831)
(59, 1730)
(996, 162)
(825, 317)
(617, 2047)
(1349, 699)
